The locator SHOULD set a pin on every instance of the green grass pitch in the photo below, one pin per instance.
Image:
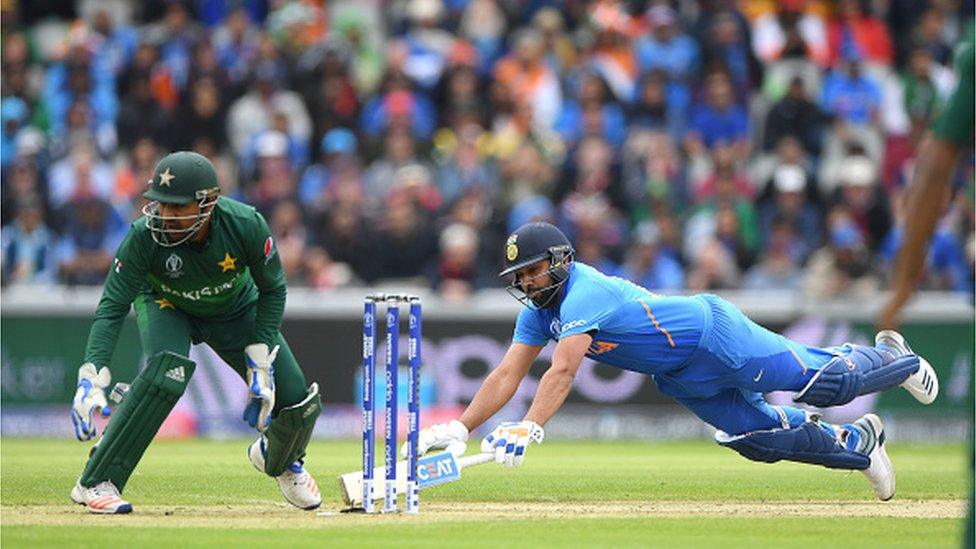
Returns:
(619, 494)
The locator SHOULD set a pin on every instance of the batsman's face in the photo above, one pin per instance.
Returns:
(533, 278)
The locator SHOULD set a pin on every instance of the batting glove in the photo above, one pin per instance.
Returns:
(260, 385)
(452, 436)
(89, 398)
(510, 439)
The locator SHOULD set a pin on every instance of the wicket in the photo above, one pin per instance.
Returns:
(393, 302)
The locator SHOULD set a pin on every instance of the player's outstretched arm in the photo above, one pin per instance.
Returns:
(497, 389)
(510, 439)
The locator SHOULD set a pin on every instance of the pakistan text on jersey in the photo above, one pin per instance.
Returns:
(206, 291)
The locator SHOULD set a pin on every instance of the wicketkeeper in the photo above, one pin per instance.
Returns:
(199, 268)
(700, 350)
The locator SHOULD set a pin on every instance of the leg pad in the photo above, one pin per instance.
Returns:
(134, 424)
(865, 370)
(290, 431)
(808, 443)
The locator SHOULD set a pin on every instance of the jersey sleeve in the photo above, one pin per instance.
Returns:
(126, 278)
(955, 123)
(269, 277)
(528, 330)
(585, 307)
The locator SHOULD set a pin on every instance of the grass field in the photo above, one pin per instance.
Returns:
(205, 493)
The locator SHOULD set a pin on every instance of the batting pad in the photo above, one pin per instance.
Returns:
(290, 431)
(136, 421)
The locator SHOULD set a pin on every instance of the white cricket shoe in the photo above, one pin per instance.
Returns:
(103, 498)
(295, 483)
(880, 473)
(923, 384)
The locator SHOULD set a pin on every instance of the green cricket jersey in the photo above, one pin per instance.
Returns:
(956, 122)
(237, 266)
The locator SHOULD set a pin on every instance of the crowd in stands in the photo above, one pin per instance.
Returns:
(687, 146)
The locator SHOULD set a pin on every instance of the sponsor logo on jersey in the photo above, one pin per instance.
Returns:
(555, 327)
(174, 266)
(574, 324)
(201, 293)
(269, 249)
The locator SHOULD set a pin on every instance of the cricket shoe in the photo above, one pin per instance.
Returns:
(880, 473)
(103, 498)
(295, 483)
(924, 383)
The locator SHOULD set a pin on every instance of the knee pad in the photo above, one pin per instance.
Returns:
(865, 370)
(135, 422)
(807, 443)
(290, 431)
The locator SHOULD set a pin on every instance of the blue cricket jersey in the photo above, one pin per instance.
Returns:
(632, 328)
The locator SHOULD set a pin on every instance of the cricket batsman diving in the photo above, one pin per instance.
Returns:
(199, 268)
(700, 350)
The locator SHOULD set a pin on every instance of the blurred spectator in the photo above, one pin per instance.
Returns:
(661, 105)
(406, 241)
(613, 55)
(367, 62)
(203, 116)
(80, 175)
(427, 44)
(718, 119)
(74, 82)
(399, 150)
(788, 207)
(858, 33)
(790, 31)
(724, 174)
(13, 116)
(274, 174)
(141, 114)
(463, 167)
(252, 113)
(291, 238)
(338, 153)
(397, 106)
(458, 270)
(590, 250)
(850, 95)
(864, 200)
(712, 268)
(726, 48)
(843, 267)
(528, 79)
(28, 246)
(416, 182)
(592, 112)
(89, 241)
(236, 43)
(347, 238)
(327, 87)
(177, 35)
(796, 116)
(560, 52)
(483, 23)
(778, 268)
(647, 266)
(667, 47)
(132, 176)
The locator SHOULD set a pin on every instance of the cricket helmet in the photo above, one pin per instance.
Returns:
(531, 243)
(180, 178)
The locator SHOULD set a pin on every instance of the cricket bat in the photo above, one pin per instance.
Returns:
(432, 470)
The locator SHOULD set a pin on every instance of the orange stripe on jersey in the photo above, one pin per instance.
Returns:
(650, 315)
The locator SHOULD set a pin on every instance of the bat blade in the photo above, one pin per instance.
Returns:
(432, 470)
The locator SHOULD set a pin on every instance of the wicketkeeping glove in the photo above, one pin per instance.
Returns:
(451, 436)
(260, 385)
(89, 398)
(509, 440)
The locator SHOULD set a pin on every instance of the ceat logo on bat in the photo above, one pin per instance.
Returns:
(437, 469)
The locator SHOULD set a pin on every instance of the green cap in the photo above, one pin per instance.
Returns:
(182, 177)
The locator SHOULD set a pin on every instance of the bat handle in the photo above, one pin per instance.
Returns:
(476, 459)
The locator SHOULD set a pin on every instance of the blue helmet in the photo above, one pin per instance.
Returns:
(531, 243)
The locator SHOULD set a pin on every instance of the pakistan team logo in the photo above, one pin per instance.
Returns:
(174, 266)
